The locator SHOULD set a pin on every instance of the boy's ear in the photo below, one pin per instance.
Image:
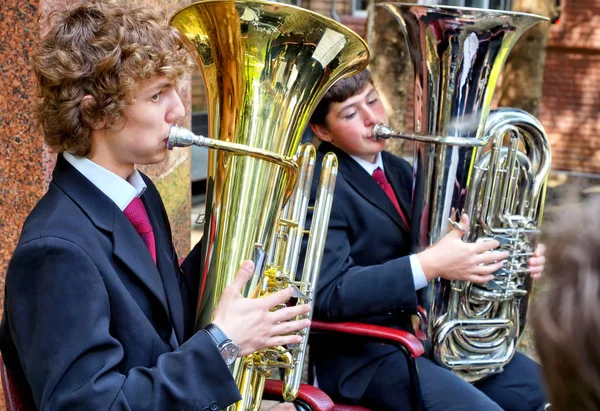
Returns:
(86, 106)
(320, 130)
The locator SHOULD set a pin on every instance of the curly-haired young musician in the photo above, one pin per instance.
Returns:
(98, 314)
(566, 319)
(368, 275)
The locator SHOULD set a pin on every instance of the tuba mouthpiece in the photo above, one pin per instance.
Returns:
(182, 137)
(382, 132)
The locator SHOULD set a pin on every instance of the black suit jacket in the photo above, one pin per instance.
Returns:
(88, 315)
(365, 273)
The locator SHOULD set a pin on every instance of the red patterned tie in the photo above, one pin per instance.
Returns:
(379, 176)
(137, 214)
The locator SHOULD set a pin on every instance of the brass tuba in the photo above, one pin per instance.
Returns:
(265, 67)
(493, 166)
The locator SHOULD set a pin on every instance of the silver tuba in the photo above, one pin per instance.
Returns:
(492, 166)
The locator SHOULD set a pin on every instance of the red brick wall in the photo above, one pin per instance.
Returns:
(570, 109)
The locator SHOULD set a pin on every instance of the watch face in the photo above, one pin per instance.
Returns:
(229, 351)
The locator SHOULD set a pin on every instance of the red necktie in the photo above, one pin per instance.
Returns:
(379, 176)
(137, 214)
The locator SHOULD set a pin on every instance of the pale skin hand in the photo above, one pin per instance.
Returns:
(536, 263)
(249, 322)
(453, 259)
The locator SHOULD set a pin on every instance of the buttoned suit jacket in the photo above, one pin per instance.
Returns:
(365, 272)
(88, 316)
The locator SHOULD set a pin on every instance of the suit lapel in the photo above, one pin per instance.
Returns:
(164, 263)
(106, 216)
(364, 184)
(131, 250)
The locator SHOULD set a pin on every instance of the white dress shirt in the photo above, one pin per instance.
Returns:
(417, 271)
(118, 190)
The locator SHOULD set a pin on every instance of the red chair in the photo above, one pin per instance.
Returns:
(13, 397)
(311, 398)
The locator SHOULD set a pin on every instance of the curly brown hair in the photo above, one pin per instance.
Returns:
(102, 49)
(566, 315)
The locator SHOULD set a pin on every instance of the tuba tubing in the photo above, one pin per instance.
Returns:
(312, 264)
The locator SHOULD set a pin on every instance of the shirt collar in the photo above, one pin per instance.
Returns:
(368, 166)
(118, 190)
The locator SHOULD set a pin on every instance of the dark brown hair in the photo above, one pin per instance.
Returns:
(566, 315)
(101, 49)
(341, 91)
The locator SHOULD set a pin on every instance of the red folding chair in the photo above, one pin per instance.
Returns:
(311, 398)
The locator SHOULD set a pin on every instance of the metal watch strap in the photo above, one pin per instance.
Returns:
(216, 334)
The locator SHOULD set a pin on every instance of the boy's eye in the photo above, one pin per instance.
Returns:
(371, 102)
(350, 116)
(156, 96)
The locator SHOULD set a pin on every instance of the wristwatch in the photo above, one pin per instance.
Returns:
(229, 350)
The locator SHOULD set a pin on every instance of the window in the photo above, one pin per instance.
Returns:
(359, 7)
(292, 2)
(480, 4)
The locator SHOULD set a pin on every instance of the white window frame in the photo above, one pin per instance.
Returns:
(356, 11)
(485, 4)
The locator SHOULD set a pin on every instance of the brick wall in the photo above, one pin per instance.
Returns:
(570, 109)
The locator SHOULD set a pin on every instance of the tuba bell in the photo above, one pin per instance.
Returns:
(492, 166)
(265, 67)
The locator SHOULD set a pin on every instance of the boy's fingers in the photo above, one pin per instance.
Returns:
(536, 261)
(539, 250)
(278, 298)
(453, 214)
(290, 312)
(243, 275)
(479, 279)
(455, 231)
(287, 327)
(487, 269)
(484, 246)
(491, 257)
(536, 269)
(461, 228)
(284, 340)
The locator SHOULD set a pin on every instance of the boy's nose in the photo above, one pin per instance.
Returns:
(177, 111)
(369, 117)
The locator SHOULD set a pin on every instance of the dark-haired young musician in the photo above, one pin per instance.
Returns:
(98, 314)
(368, 275)
(566, 317)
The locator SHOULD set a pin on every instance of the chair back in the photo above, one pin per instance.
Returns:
(12, 395)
